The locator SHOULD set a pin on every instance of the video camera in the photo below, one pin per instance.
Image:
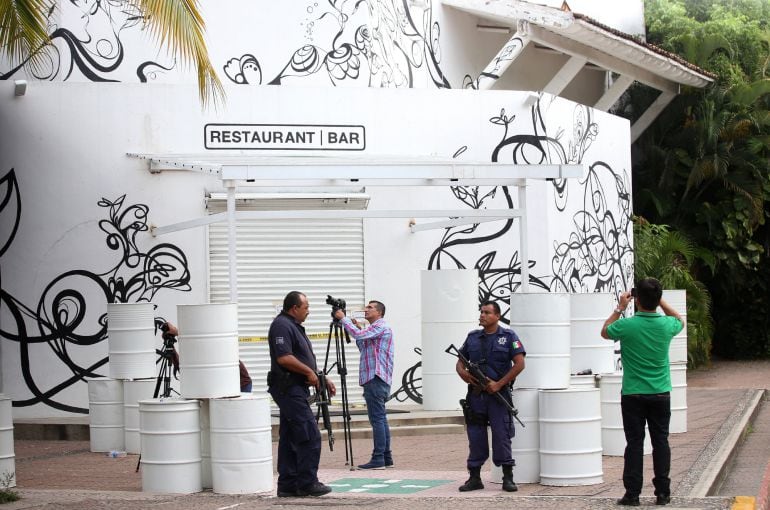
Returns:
(335, 303)
(168, 339)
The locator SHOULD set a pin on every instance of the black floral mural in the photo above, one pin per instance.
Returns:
(71, 310)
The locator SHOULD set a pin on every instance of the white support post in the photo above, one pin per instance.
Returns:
(651, 114)
(523, 242)
(231, 241)
(612, 94)
(565, 75)
(503, 60)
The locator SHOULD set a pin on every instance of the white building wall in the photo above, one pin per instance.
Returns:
(74, 230)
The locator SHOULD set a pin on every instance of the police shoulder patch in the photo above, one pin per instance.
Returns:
(279, 340)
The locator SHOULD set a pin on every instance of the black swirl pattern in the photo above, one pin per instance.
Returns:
(70, 313)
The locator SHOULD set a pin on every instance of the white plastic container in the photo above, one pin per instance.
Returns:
(542, 322)
(570, 437)
(583, 381)
(105, 404)
(450, 309)
(208, 351)
(7, 453)
(677, 299)
(588, 350)
(678, 398)
(241, 445)
(525, 446)
(613, 435)
(171, 443)
(131, 340)
(133, 392)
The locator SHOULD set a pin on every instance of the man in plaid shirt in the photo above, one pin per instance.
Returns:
(376, 375)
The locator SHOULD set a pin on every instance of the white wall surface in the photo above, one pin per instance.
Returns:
(67, 144)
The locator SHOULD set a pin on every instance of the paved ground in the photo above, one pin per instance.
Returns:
(64, 474)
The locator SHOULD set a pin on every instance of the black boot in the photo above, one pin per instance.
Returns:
(474, 482)
(508, 485)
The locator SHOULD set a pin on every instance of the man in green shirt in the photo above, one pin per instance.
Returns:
(646, 394)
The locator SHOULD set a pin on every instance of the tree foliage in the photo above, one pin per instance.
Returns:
(703, 168)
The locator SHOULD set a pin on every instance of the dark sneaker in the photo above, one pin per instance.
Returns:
(389, 464)
(317, 489)
(663, 500)
(372, 465)
(628, 501)
(287, 494)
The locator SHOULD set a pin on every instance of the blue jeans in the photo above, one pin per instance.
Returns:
(655, 411)
(376, 392)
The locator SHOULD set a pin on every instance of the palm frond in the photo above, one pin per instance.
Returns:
(179, 25)
(23, 31)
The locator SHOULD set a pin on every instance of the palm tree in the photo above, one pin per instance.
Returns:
(669, 257)
(176, 24)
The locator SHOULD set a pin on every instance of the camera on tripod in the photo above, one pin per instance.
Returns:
(169, 339)
(335, 303)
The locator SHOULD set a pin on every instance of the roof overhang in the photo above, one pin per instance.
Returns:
(586, 32)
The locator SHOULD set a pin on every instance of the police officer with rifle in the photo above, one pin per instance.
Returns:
(499, 354)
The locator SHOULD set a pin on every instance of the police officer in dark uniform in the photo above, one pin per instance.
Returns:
(292, 371)
(493, 348)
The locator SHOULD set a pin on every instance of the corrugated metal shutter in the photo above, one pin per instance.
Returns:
(316, 257)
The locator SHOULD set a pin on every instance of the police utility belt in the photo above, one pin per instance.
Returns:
(282, 380)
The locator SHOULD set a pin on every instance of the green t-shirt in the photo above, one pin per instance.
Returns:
(644, 342)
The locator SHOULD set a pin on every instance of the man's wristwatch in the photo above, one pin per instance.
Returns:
(618, 311)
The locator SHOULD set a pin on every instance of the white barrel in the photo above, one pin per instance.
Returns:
(105, 404)
(208, 345)
(677, 299)
(450, 309)
(678, 398)
(588, 350)
(171, 445)
(450, 295)
(613, 435)
(583, 381)
(241, 445)
(7, 454)
(542, 322)
(570, 437)
(206, 444)
(444, 388)
(133, 392)
(131, 340)
(525, 445)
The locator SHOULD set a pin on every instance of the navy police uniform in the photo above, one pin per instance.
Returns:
(494, 354)
(299, 441)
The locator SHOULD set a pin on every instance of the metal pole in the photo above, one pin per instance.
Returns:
(231, 241)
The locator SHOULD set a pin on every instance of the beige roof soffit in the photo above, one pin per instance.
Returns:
(588, 36)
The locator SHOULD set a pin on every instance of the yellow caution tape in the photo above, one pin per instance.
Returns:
(744, 503)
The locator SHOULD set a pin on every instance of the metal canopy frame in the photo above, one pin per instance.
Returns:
(237, 170)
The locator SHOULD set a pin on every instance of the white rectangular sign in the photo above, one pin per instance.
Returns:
(284, 137)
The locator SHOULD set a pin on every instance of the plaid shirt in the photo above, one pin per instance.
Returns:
(376, 346)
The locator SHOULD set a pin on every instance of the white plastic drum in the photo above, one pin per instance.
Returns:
(7, 455)
(677, 299)
(171, 445)
(105, 403)
(678, 398)
(570, 437)
(613, 436)
(131, 340)
(588, 349)
(133, 392)
(208, 351)
(205, 444)
(241, 445)
(583, 381)
(542, 321)
(450, 309)
(525, 445)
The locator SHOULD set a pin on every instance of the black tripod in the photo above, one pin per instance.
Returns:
(337, 332)
(167, 356)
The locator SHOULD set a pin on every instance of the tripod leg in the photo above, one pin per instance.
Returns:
(342, 370)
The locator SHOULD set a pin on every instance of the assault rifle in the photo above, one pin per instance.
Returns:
(322, 400)
(482, 380)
